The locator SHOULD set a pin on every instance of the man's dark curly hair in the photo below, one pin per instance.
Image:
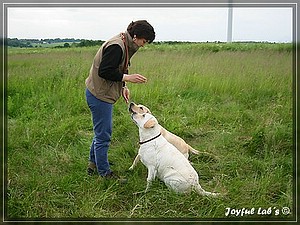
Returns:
(142, 29)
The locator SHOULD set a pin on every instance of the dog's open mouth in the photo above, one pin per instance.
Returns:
(131, 111)
(130, 108)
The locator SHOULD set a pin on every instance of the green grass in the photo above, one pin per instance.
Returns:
(235, 104)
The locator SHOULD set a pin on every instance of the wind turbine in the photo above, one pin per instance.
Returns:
(229, 24)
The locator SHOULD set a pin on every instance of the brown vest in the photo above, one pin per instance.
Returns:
(106, 90)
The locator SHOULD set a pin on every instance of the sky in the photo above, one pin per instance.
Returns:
(199, 24)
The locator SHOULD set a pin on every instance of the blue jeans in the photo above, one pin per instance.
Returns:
(102, 126)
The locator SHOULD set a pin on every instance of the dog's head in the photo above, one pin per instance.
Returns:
(144, 120)
(134, 108)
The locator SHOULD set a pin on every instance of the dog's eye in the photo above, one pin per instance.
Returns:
(141, 108)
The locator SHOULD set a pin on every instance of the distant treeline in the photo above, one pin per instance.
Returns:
(64, 43)
(57, 42)
(71, 42)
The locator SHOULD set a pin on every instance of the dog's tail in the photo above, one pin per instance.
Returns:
(202, 192)
(192, 150)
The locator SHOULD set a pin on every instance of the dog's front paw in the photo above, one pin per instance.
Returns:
(131, 168)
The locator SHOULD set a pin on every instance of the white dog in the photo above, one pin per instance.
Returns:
(163, 159)
(178, 142)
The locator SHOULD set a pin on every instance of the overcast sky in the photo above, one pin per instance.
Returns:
(199, 24)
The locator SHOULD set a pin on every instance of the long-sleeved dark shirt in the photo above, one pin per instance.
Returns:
(109, 66)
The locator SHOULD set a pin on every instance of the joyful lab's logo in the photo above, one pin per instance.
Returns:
(257, 211)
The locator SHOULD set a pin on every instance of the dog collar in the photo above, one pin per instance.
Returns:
(143, 142)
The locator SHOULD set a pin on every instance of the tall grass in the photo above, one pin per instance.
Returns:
(236, 105)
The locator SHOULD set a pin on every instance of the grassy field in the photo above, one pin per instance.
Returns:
(234, 101)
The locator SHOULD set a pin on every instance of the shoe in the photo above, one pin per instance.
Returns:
(91, 169)
(114, 176)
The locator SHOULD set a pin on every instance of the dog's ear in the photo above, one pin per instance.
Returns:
(150, 124)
